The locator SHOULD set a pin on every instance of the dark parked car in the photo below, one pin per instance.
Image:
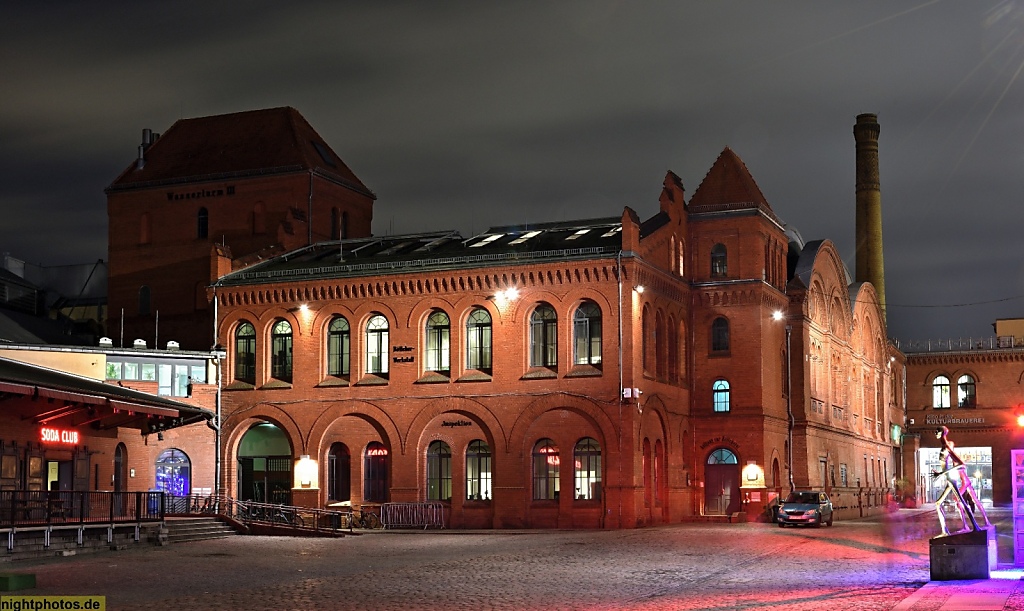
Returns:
(811, 507)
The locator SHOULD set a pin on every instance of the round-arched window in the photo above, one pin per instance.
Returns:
(174, 472)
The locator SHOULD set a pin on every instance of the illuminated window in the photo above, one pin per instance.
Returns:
(173, 473)
(339, 344)
(965, 391)
(478, 471)
(245, 353)
(587, 331)
(375, 473)
(722, 456)
(587, 479)
(478, 340)
(720, 391)
(438, 342)
(544, 337)
(545, 470)
(719, 261)
(281, 351)
(439, 472)
(720, 335)
(377, 345)
(940, 392)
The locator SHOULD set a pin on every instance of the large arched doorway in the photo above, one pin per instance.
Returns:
(265, 465)
(721, 483)
(174, 472)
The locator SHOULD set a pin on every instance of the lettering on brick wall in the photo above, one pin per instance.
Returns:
(944, 419)
(199, 194)
(402, 349)
(456, 423)
(720, 440)
(403, 359)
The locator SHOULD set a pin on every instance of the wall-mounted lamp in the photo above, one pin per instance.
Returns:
(305, 472)
(639, 289)
(502, 297)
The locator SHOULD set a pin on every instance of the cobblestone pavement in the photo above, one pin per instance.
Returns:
(852, 565)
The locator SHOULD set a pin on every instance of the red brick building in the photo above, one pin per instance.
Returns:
(974, 389)
(610, 373)
(218, 191)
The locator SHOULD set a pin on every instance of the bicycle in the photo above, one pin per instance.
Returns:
(366, 518)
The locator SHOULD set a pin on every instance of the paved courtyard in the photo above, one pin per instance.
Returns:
(879, 564)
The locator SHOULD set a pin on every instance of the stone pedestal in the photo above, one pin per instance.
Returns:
(961, 556)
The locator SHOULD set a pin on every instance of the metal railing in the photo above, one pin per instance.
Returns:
(959, 344)
(269, 514)
(19, 508)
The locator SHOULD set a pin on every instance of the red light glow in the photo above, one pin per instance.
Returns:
(49, 435)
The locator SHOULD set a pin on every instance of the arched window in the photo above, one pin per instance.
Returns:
(721, 456)
(659, 465)
(478, 471)
(719, 261)
(245, 353)
(339, 344)
(587, 464)
(586, 324)
(965, 391)
(720, 393)
(439, 472)
(940, 392)
(375, 473)
(377, 345)
(335, 223)
(645, 345)
(438, 342)
(720, 335)
(281, 351)
(202, 224)
(344, 225)
(545, 470)
(660, 346)
(544, 337)
(173, 473)
(673, 351)
(144, 300)
(339, 473)
(478, 340)
(646, 457)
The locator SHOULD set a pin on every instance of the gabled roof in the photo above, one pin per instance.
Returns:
(251, 143)
(728, 185)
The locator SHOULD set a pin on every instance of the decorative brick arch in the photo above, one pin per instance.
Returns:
(466, 407)
(588, 409)
(376, 417)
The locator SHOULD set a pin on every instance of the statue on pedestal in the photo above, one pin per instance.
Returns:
(954, 472)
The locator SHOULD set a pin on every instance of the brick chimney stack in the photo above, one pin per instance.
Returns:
(870, 267)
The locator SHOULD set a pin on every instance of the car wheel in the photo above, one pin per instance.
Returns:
(829, 523)
(781, 525)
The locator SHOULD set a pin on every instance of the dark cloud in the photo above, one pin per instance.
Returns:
(464, 115)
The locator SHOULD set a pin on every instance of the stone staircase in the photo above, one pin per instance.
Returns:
(181, 530)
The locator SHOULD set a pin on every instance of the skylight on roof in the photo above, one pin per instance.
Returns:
(578, 233)
(325, 153)
(612, 231)
(487, 240)
(526, 236)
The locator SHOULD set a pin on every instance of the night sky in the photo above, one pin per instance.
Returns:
(465, 115)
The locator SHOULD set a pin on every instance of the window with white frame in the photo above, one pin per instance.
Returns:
(478, 340)
(377, 345)
(720, 396)
(586, 324)
(438, 342)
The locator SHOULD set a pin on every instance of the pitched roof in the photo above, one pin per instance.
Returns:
(728, 185)
(567, 240)
(251, 143)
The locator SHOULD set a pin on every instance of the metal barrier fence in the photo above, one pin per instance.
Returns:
(413, 515)
(41, 508)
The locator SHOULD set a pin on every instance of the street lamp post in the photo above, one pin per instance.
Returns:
(789, 405)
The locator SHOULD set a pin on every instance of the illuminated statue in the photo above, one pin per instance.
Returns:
(954, 471)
